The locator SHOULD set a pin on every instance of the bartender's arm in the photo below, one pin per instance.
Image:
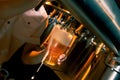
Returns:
(10, 8)
(33, 54)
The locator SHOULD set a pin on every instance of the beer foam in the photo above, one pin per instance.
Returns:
(61, 36)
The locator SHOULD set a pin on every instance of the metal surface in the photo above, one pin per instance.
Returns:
(95, 14)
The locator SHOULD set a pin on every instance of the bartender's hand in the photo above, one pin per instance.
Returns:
(33, 54)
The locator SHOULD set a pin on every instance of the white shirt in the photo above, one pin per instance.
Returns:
(26, 27)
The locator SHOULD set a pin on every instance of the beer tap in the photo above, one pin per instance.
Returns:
(52, 20)
(68, 24)
(81, 45)
(87, 50)
(90, 64)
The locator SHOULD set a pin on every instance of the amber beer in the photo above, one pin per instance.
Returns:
(56, 49)
(57, 45)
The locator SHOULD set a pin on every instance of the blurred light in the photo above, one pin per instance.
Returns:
(108, 11)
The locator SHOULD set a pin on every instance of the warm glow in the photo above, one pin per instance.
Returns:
(34, 53)
(87, 72)
(47, 2)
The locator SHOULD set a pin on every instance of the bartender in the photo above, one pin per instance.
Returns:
(20, 29)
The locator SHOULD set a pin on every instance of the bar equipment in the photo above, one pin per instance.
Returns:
(102, 18)
(89, 56)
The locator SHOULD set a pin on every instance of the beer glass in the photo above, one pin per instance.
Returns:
(58, 44)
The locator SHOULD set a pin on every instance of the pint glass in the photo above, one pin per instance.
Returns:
(58, 44)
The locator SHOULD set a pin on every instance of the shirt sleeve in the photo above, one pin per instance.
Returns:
(30, 25)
